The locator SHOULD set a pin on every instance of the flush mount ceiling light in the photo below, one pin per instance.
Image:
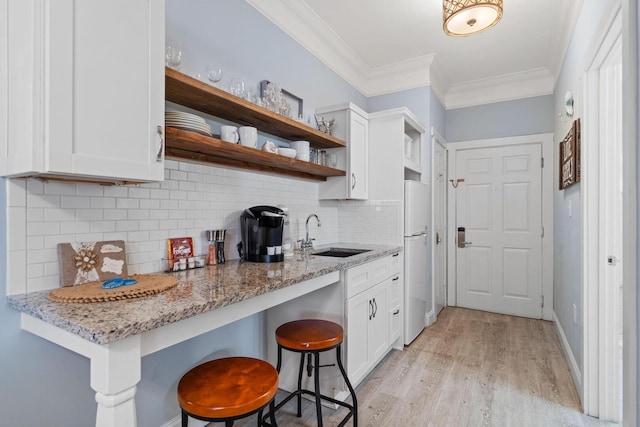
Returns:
(466, 17)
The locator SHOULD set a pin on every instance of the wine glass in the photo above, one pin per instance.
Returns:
(173, 55)
(214, 73)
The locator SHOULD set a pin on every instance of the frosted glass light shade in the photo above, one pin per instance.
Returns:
(466, 17)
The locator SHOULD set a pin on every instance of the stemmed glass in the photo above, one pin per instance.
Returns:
(173, 56)
(214, 73)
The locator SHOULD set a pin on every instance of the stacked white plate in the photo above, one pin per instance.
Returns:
(187, 121)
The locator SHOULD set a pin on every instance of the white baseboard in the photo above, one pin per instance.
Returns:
(576, 375)
(430, 318)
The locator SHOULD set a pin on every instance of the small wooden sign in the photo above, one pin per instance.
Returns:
(85, 262)
(570, 157)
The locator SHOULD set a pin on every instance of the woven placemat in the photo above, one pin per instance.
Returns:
(94, 292)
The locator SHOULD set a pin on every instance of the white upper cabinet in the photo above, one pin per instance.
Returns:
(395, 148)
(86, 90)
(352, 126)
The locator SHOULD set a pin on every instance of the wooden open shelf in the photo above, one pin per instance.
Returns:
(193, 93)
(193, 146)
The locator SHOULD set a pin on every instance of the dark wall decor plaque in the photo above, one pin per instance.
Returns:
(570, 157)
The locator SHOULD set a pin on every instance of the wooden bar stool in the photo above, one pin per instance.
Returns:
(310, 337)
(224, 390)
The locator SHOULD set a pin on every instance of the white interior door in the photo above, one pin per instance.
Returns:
(439, 224)
(499, 205)
(611, 192)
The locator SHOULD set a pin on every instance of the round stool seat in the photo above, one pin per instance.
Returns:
(227, 388)
(309, 334)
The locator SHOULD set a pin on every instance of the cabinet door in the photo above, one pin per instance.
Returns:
(358, 157)
(395, 308)
(101, 68)
(358, 311)
(378, 328)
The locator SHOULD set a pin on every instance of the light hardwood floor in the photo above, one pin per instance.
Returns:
(470, 368)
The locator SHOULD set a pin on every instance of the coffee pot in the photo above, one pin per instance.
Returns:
(261, 228)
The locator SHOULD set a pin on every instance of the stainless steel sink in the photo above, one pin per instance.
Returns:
(341, 252)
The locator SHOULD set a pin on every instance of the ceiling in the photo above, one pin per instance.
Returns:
(380, 46)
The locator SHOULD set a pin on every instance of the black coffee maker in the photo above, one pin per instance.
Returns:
(261, 228)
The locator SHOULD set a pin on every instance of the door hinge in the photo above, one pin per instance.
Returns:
(542, 234)
(542, 301)
(542, 162)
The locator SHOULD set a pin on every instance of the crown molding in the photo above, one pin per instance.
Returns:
(507, 87)
(557, 55)
(301, 23)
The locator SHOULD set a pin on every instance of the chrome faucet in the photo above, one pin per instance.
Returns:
(308, 243)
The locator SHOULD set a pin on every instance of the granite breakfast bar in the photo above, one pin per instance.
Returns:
(116, 335)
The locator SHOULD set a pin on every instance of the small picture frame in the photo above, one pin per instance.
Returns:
(570, 157)
(295, 103)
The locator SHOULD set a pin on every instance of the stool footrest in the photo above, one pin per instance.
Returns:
(311, 393)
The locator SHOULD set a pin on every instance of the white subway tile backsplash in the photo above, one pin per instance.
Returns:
(150, 204)
(75, 202)
(41, 201)
(41, 256)
(75, 227)
(139, 193)
(114, 214)
(35, 242)
(175, 175)
(35, 270)
(138, 214)
(103, 203)
(127, 225)
(54, 215)
(127, 203)
(41, 229)
(103, 226)
(193, 198)
(60, 188)
(89, 190)
(116, 191)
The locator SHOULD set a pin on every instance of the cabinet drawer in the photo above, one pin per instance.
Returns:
(395, 261)
(362, 277)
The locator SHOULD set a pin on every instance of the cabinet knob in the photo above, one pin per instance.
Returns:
(161, 135)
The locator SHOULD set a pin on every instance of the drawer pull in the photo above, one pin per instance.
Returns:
(395, 254)
(396, 312)
(396, 278)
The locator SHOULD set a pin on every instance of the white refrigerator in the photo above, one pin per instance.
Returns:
(416, 203)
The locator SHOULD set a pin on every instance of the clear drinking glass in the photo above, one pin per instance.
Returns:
(173, 55)
(237, 87)
(214, 73)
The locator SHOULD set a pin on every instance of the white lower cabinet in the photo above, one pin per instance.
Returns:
(370, 325)
(87, 90)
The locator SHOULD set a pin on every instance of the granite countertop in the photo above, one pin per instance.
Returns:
(199, 291)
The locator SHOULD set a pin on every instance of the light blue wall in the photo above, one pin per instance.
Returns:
(248, 46)
(526, 116)
(567, 267)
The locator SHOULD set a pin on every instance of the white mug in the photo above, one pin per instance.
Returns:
(248, 136)
(229, 134)
(302, 150)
